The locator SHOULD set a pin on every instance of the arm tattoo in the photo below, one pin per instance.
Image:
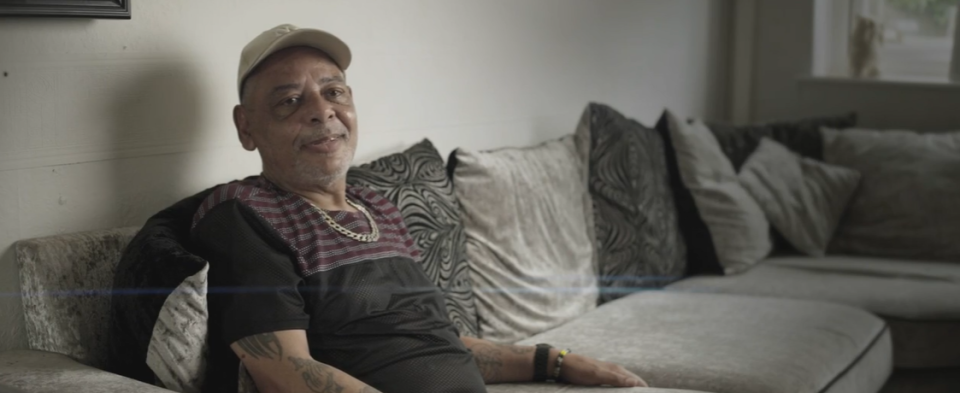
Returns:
(488, 358)
(318, 377)
(519, 350)
(262, 346)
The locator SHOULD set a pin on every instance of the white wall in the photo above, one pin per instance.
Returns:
(102, 122)
(784, 57)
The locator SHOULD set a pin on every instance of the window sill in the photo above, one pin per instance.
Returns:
(894, 82)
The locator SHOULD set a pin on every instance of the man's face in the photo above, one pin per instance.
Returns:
(297, 111)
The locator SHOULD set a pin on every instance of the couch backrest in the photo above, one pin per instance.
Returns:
(66, 282)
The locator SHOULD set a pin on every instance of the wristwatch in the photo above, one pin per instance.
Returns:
(540, 359)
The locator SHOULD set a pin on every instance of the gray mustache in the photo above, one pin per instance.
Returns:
(314, 136)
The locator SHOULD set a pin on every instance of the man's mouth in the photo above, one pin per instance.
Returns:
(326, 144)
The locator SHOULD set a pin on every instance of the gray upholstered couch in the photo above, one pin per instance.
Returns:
(789, 324)
(744, 333)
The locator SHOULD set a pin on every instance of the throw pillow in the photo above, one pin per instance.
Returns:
(639, 244)
(801, 136)
(803, 198)
(701, 257)
(529, 229)
(738, 142)
(906, 206)
(416, 182)
(177, 351)
(738, 228)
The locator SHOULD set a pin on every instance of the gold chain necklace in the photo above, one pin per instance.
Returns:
(371, 237)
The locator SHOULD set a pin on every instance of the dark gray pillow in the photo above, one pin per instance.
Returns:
(638, 234)
(906, 206)
(801, 136)
(416, 182)
(803, 198)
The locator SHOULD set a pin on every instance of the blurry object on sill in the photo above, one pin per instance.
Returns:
(914, 40)
(918, 37)
(864, 44)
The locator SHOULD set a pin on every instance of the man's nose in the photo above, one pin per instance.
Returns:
(321, 110)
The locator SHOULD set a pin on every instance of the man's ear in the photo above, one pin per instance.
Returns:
(243, 128)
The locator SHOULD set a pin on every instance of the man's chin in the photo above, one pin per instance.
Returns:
(322, 176)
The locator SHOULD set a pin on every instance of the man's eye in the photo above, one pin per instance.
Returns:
(291, 101)
(335, 93)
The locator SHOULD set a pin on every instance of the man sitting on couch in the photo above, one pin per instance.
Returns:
(314, 285)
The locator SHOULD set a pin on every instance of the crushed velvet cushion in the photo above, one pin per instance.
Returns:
(416, 182)
(66, 282)
(529, 225)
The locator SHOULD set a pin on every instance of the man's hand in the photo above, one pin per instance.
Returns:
(510, 363)
(582, 370)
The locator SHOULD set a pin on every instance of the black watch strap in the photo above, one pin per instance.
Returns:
(540, 359)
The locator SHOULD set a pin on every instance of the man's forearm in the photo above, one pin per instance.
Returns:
(317, 377)
(502, 363)
(279, 367)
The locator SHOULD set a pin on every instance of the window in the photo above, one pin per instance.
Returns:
(917, 37)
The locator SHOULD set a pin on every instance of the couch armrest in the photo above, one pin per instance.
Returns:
(26, 371)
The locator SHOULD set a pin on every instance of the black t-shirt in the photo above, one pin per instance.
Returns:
(368, 309)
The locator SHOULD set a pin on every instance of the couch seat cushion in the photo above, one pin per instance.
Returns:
(729, 343)
(47, 372)
(918, 299)
(562, 388)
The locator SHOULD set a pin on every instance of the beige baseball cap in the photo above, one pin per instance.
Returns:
(286, 36)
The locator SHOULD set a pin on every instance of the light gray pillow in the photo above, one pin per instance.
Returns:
(738, 228)
(907, 202)
(178, 346)
(529, 224)
(803, 198)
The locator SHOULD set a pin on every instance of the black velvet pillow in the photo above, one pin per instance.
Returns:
(802, 136)
(738, 143)
(155, 262)
(638, 234)
(416, 182)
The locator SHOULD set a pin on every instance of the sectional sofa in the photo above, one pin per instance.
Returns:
(604, 242)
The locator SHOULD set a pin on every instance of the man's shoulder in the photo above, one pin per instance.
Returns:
(250, 192)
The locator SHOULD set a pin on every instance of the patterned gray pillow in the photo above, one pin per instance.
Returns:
(638, 233)
(416, 182)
